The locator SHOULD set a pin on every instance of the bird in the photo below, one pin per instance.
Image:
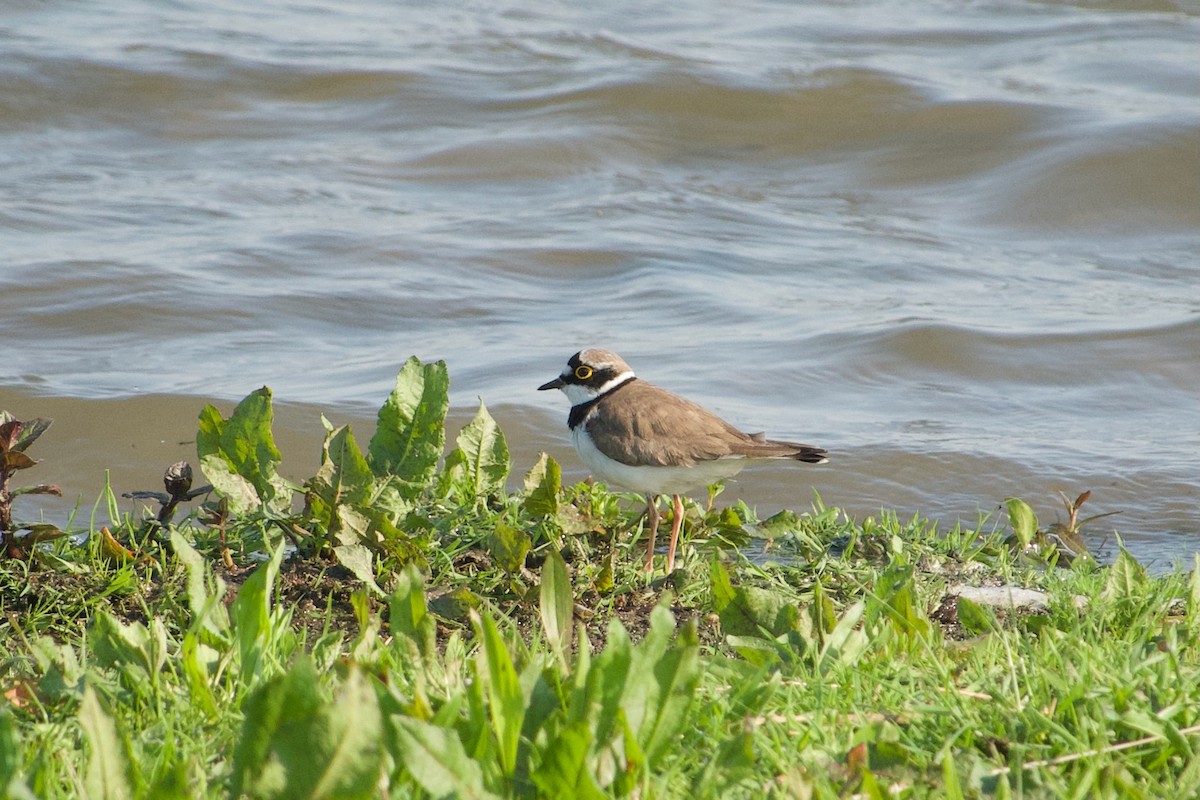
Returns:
(642, 437)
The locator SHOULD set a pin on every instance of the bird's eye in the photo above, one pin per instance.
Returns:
(583, 372)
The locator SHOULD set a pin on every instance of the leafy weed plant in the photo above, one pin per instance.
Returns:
(505, 643)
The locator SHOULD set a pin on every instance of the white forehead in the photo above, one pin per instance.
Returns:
(603, 359)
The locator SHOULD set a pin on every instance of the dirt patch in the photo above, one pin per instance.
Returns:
(318, 592)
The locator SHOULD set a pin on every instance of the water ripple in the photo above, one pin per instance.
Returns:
(957, 243)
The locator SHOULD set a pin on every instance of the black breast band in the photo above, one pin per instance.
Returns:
(580, 412)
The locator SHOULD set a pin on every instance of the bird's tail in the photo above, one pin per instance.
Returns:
(810, 455)
(807, 453)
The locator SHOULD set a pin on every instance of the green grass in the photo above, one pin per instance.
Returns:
(432, 634)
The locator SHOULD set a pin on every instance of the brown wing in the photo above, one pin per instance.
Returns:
(658, 428)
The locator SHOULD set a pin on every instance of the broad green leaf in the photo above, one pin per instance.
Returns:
(728, 523)
(870, 787)
(351, 478)
(665, 674)
(484, 457)
(572, 521)
(453, 478)
(436, 759)
(635, 759)
(352, 525)
(564, 768)
(767, 611)
(722, 588)
(171, 779)
(408, 615)
(508, 547)
(748, 610)
(115, 644)
(261, 712)
(778, 524)
(676, 674)
(390, 540)
(358, 559)
(1023, 521)
(895, 599)
(755, 649)
(335, 749)
(557, 605)
(277, 703)
(847, 641)
(455, 604)
(238, 491)
(58, 664)
(506, 701)
(607, 680)
(107, 775)
(543, 484)
(343, 478)
(392, 497)
(544, 689)
(1125, 577)
(11, 785)
(411, 431)
(973, 617)
(239, 458)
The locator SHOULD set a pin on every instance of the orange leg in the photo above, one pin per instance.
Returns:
(676, 525)
(652, 509)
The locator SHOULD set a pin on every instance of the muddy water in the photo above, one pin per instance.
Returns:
(956, 244)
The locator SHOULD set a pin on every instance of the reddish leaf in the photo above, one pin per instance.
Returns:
(9, 433)
(114, 549)
(856, 759)
(41, 488)
(20, 695)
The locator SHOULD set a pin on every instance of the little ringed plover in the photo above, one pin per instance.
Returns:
(641, 437)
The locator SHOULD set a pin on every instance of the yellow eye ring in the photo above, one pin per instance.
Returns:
(583, 372)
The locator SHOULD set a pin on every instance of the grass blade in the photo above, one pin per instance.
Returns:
(506, 702)
(251, 612)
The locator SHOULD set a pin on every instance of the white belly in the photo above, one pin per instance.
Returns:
(653, 480)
